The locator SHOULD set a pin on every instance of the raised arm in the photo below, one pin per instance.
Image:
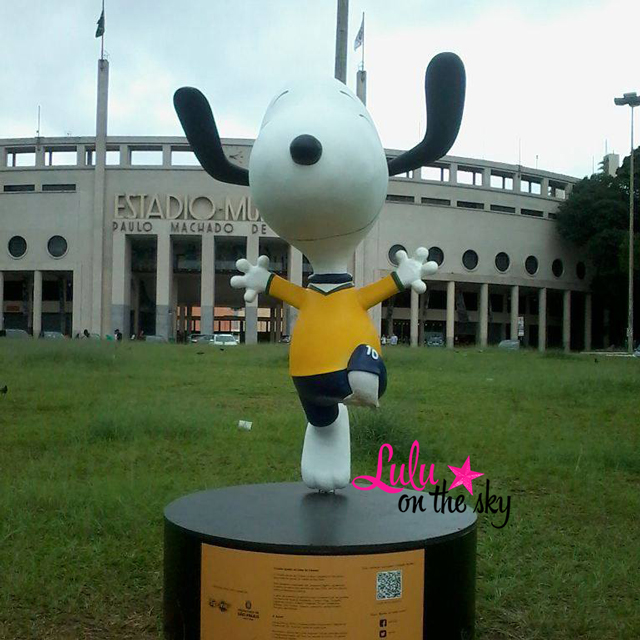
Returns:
(409, 273)
(286, 291)
(370, 295)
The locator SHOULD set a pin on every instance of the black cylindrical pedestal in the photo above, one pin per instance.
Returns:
(281, 562)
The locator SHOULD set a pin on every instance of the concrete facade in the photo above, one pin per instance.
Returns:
(151, 242)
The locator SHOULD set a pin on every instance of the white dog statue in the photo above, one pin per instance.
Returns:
(318, 175)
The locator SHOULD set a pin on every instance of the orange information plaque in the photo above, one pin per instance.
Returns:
(266, 596)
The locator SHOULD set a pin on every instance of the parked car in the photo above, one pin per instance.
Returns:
(224, 340)
(511, 345)
(435, 341)
(53, 335)
(19, 334)
(201, 337)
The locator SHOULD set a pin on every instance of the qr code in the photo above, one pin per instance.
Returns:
(389, 585)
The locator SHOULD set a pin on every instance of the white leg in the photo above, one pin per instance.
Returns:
(326, 456)
(364, 389)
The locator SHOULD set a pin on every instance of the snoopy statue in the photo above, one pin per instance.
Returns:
(318, 174)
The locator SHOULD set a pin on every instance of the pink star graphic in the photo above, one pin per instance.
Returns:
(464, 476)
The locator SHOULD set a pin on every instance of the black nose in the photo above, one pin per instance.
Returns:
(305, 149)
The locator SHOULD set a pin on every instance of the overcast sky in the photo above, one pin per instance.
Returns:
(542, 72)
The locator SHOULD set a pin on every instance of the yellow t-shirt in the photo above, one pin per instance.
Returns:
(331, 324)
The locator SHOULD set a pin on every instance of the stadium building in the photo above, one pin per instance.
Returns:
(104, 233)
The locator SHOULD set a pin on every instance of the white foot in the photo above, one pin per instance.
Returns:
(364, 389)
(326, 456)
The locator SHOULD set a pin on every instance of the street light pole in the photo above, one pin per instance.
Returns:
(632, 100)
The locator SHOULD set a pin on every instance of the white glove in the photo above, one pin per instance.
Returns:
(410, 271)
(255, 278)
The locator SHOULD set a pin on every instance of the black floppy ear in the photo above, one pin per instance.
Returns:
(200, 128)
(444, 86)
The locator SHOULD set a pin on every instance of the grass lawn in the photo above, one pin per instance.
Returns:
(95, 439)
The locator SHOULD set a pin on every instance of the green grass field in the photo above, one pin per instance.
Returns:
(97, 438)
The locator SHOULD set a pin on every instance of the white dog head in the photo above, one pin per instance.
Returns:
(318, 172)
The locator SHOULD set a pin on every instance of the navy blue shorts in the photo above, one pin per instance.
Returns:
(321, 394)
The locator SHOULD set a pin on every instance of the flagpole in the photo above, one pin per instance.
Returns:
(363, 40)
(102, 36)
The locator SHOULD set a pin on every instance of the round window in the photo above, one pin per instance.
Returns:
(17, 246)
(57, 246)
(437, 255)
(393, 251)
(502, 261)
(531, 265)
(557, 267)
(581, 270)
(470, 259)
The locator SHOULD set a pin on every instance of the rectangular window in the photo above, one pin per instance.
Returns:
(502, 208)
(184, 158)
(470, 300)
(399, 198)
(51, 290)
(146, 157)
(13, 290)
(530, 185)
(469, 175)
(532, 212)
(470, 205)
(15, 188)
(502, 181)
(58, 158)
(553, 216)
(557, 190)
(439, 174)
(112, 157)
(496, 302)
(441, 202)
(437, 299)
(21, 157)
(58, 187)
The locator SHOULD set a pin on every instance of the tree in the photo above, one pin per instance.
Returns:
(595, 217)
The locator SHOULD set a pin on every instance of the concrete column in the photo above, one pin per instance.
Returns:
(517, 183)
(515, 300)
(37, 303)
(173, 309)
(1, 300)
(544, 187)
(483, 314)
(76, 313)
(279, 318)
(451, 313)
(121, 285)
(587, 321)
(295, 276)
(101, 223)
(135, 303)
(251, 308)
(272, 324)
(422, 316)
(166, 155)
(542, 319)
(164, 284)
(207, 283)
(415, 301)
(453, 173)
(566, 320)
(486, 177)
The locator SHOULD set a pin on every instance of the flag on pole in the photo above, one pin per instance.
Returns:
(359, 41)
(100, 29)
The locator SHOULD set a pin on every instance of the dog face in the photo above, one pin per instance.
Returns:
(318, 172)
